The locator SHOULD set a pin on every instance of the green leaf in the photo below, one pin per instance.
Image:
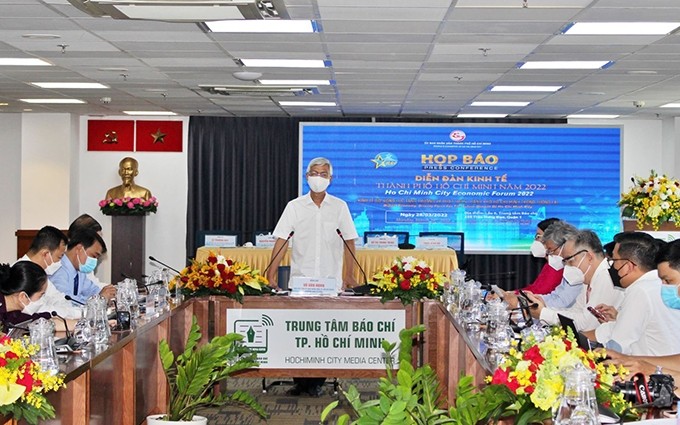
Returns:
(328, 409)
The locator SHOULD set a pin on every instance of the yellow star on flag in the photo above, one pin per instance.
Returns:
(158, 136)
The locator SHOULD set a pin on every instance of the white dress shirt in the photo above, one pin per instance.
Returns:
(602, 291)
(317, 247)
(644, 325)
(54, 300)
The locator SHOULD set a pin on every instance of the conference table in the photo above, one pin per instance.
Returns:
(371, 260)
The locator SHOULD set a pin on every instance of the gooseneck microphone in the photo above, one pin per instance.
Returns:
(353, 256)
(275, 256)
(68, 333)
(68, 297)
(152, 258)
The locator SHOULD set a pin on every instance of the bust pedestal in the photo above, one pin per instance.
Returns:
(127, 246)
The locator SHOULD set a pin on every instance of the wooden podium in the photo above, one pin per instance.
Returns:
(127, 246)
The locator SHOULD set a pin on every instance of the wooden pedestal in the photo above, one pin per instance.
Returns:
(631, 226)
(127, 246)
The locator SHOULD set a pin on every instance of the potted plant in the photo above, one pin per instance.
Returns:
(652, 201)
(193, 373)
(413, 395)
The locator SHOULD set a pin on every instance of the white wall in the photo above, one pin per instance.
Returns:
(163, 173)
(10, 184)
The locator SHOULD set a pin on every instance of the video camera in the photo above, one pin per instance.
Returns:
(657, 392)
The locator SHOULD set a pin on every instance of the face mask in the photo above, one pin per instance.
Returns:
(538, 249)
(616, 279)
(89, 266)
(669, 295)
(52, 268)
(574, 275)
(32, 307)
(555, 262)
(317, 183)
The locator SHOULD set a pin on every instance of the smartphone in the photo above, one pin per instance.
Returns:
(596, 313)
(523, 294)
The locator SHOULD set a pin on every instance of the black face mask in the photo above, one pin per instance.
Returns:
(616, 279)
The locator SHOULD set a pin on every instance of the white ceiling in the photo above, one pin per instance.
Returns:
(389, 58)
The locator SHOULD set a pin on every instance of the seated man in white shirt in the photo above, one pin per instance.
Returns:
(46, 250)
(584, 263)
(643, 325)
(668, 266)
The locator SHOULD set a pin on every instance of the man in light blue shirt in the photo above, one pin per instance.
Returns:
(84, 249)
(554, 239)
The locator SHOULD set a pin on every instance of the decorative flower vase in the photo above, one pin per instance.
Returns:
(156, 420)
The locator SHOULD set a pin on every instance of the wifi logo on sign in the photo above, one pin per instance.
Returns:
(457, 135)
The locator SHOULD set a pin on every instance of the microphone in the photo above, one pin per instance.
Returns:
(290, 235)
(352, 254)
(21, 328)
(68, 333)
(152, 258)
(68, 297)
(532, 306)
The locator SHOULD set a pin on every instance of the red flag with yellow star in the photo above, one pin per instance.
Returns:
(110, 135)
(159, 136)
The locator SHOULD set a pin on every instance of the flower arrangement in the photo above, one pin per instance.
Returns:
(652, 200)
(408, 279)
(220, 276)
(534, 375)
(23, 383)
(128, 206)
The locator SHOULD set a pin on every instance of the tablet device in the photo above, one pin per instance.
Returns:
(568, 323)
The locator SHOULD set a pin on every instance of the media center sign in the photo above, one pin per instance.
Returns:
(317, 339)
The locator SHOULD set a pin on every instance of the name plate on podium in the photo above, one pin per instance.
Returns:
(431, 242)
(382, 242)
(220, 241)
(265, 241)
(306, 286)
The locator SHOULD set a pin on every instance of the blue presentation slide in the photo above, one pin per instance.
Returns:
(495, 183)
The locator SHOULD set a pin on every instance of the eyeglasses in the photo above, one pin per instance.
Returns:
(566, 261)
(611, 261)
(553, 251)
(315, 174)
(538, 237)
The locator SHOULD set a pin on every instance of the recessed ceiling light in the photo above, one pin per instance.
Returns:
(565, 64)
(246, 75)
(285, 63)
(642, 72)
(592, 93)
(52, 101)
(592, 116)
(156, 90)
(71, 85)
(526, 88)
(150, 113)
(482, 115)
(4, 104)
(41, 36)
(499, 103)
(113, 69)
(295, 82)
(671, 105)
(295, 103)
(621, 28)
(23, 62)
(264, 25)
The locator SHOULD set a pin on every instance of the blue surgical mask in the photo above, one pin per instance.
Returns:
(670, 297)
(89, 266)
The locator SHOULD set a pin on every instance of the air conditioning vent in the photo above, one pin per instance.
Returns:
(184, 10)
(260, 91)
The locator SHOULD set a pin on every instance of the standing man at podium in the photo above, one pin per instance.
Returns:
(319, 222)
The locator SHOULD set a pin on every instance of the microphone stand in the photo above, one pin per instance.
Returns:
(152, 258)
(276, 255)
(354, 258)
(68, 297)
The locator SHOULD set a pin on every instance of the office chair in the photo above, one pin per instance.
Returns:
(201, 234)
(455, 241)
(402, 237)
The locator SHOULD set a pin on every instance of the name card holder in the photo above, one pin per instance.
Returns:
(220, 241)
(431, 242)
(382, 242)
(265, 241)
(313, 286)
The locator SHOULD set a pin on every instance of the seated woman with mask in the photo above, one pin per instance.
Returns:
(21, 287)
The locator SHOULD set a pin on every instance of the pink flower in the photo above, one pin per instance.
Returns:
(152, 199)
(118, 202)
(155, 204)
(130, 205)
(103, 203)
(136, 201)
(147, 203)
